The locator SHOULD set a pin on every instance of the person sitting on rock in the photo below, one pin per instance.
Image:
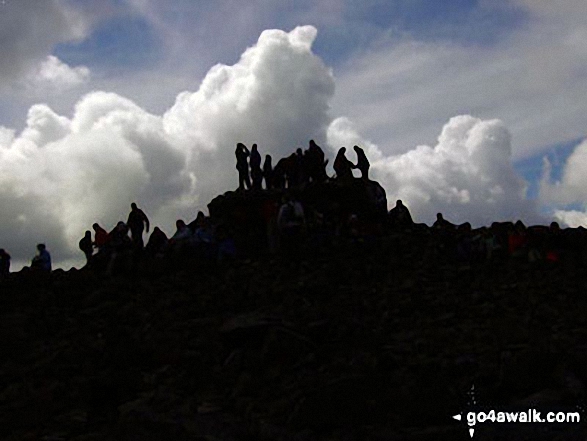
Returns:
(42, 261)
(362, 162)
(442, 224)
(268, 172)
(399, 216)
(242, 153)
(342, 166)
(101, 237)
(137, 221)
(157, 242)
(197, 222)
(4, 263)
(85, 244)
(256, 172)
(182, 236)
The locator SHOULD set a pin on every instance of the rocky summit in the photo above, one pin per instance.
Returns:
(376, 336)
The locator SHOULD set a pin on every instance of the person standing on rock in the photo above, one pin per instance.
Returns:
(137, 220)
(4, 263)
(242, 153)
(101, 237)
(317, 164)
(256, 172)
(268, 172)
(342, 166)
(85, 244)
(362, 162)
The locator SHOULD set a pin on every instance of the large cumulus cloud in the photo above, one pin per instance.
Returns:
(467, 175)
(60, 174)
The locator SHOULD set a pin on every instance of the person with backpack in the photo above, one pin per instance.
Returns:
(85, 244)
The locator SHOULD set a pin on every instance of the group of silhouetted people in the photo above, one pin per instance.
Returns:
(295, 170)
(288, 224)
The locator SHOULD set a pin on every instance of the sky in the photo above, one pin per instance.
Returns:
(473, 108)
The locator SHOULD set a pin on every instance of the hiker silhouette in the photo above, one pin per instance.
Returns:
(242, 153)
(42, 261)
(316, 162)
(268, 172)
(256, 172)
(342, 166)
(362, 162)
(85, 244)
(157, 242)
(4, 262)
(399, 216)
(137, 220)
(101, 237)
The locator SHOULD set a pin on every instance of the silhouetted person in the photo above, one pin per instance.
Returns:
(399, 216)
(85, 244)
(196, 223)
(242, 153)
(42, 261)
(442, 224)
(119, 239)
(137, 221)
(316, 162)
(362, 162)
(256, 172)
(268, 172)
(4, 263)
(342, 166)
(101, 237)
(182, 236)
(279, 175)
(157, 242)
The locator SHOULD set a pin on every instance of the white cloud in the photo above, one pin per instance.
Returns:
(29, 30)
(62, 174)
(571, 218)
(467, 175)
(570, 189)
(57, 75)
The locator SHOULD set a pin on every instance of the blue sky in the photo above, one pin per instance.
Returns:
(391, 75)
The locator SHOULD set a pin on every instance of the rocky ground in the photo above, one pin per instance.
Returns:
(379, 340)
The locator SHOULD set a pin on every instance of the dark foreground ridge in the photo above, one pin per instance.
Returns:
(366, 327)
